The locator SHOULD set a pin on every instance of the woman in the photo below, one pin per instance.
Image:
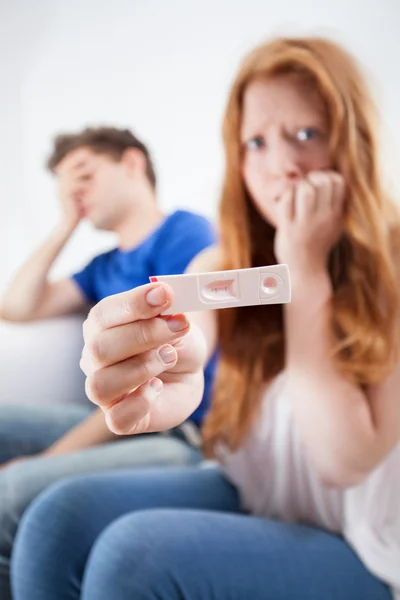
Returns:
(306, 418)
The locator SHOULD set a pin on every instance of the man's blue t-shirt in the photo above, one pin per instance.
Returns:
(167, 251)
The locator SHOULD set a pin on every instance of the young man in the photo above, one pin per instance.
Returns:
(105, 175)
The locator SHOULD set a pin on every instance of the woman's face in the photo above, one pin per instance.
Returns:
(284, 136)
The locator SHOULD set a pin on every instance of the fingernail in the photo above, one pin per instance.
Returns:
(156, 296)
(177, 323)
(157, 385)
(167, 354)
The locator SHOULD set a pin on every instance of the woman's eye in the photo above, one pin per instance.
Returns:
(255, 143)
(307, 133)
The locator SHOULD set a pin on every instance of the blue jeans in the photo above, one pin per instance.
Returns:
(30, 430)
(175, 534)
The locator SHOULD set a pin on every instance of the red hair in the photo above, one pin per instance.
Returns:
(362, 267)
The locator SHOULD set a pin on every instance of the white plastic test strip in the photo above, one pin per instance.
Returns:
(227, 289)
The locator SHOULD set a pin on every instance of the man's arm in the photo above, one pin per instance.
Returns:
(30, 296)
(91, 432)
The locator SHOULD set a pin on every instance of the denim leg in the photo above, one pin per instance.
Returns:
(24, 431)
(175, 534)
(27, 430)
(199, 555)
(23, 482)
(59, 529)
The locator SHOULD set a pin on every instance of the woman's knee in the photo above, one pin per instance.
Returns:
(66, 504)
(53, 531)
(142, 555)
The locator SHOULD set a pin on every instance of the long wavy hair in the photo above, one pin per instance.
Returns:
(366, 300)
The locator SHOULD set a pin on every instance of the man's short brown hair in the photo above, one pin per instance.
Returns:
(102, 140)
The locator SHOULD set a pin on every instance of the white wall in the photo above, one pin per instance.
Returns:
(162, 68)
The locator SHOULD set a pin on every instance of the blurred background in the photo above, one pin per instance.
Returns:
(163, 69)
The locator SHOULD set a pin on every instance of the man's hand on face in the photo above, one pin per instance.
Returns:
(74, 175)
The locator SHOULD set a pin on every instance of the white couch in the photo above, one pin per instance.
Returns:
(39, 362)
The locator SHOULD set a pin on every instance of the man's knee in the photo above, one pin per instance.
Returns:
(12, 505)
(169, 451)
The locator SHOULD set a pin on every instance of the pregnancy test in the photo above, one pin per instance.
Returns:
(227, 289)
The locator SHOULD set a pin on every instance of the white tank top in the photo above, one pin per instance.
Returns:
(276, 479)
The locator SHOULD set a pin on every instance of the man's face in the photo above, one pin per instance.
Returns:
(101, 186)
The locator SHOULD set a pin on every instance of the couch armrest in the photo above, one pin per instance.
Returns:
(39, 362)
